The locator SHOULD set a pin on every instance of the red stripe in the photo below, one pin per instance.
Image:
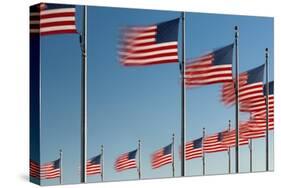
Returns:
(57, 15)
(151, 56)
(60, 23)
(168, 47)
(70, 31)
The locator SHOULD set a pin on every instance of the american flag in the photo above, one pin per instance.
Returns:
(47, 19)
(34, 169)
(94, 165)
(229, 139)
(259, 103)
(257, 109)
(162, 157)
(194, 149)
(213, 143)
(260, 124)
(211, 68)
(250, 86)
(247, 133)
(126, 161)
(51, 170)
(150, 45)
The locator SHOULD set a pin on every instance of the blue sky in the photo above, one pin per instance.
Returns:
(127, 104)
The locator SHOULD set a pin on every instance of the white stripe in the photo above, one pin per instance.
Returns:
(57, 19)
(34, 30)
(144, 28)
(150, 60)
(57, 28)
(143, 41)
(207, 68)
(34, 22)
(150, 47)
(206, 80)
(202, 75)
(34, 14)
(55, 11)
(134, 55)
(131, 36)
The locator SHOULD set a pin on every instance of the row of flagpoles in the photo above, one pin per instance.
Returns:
(197, 148)
(158, 44)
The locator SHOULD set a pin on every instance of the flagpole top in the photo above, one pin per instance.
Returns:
(236, 31)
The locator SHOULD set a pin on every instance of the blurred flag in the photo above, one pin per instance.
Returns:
(34, 169)
(150, 45)
(211, 68)
(51, 170)
(94, 165)
(250, 86)
(261, 112)
(126, 161)
(47, 19)
(162, 157)
(247, 133)
(229, 139)
(194, 149)
(259, 103)
(259, 124)
(257, 109)
(213, 143)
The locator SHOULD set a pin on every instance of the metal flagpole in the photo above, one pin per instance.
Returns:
(229, 151)
(267, 111)
(251, 154)
(61, 167)
(102, 163)
(139, 157)
(173, 155)
(182, 69)
(84, 98)
(236, 101)
(203, 156)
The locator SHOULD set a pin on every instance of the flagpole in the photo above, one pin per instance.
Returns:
(251, 154)
(183, 125)
(84, 98)
(102, 163)
(267, 111)
(173, 155)
(236, 101)
(203, 156)
(61, 180)
(139, 161)
(229, 150)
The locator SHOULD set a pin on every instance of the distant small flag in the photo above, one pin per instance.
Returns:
(213, 143)
(34, 169)
(211, 68)
(194, 149)
(229, 139)
(126, 161)
(150, 45)
(94, 165)
(250, 86)
(47, 19)
(162, 157)
(51, 170)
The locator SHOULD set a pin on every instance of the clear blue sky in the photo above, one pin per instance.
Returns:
(127, 104)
